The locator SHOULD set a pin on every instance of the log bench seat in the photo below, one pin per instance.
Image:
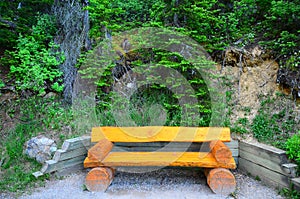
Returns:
(108, 154)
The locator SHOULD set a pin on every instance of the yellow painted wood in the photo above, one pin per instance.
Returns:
(160, 134)
(184, 159)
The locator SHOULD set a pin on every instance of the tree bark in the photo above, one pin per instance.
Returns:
(72, 35)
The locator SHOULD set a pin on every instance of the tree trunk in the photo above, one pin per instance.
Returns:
(73, 23)
(175, 18)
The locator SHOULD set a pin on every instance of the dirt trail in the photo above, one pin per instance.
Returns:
(166, 183)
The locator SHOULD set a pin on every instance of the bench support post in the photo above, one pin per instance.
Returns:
(99, 178)
(221, 181)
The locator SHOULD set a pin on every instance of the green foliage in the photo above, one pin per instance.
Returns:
(286, 44)
(274, 127)
(17, 172)
(36, 115)
(240, 126)
(101, 16)
(281, 27)
(18, 17)
(34, 62)
(133, 12)
(197, 19)
(263, 127)
(156, 93)
(293, 148)
(290, 193)
(17, 167)
(1, 84)
(285, 14)
(51, 114)
(293, 62)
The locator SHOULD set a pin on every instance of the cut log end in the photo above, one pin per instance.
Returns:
(100, 150)
(221, 181)
(98, 179)
(220, 151)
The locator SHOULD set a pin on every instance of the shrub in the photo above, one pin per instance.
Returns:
(293, 148)
(1, 84)
(34, 62)
(274, 122)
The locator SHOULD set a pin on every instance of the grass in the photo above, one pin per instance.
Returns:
(290, 193)
(32, 117)
(35, 116)
(17, 168)
(153, 107)
(275, 122)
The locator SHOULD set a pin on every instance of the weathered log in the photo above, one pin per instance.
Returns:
(99, 178)
(296, 183)
(100, 150)
(221, 181)
(264, 151)
(266, 175)
(220, 151)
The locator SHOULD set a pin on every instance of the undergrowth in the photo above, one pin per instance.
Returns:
(275, 122)
(33, 116)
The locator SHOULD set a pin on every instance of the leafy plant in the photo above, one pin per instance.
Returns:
(17, 174)
(1, 84)
(34, 62)
(240, 126)
(290, 193)
(35, 115)
(18, 18)
(293, 148)
(274, 127)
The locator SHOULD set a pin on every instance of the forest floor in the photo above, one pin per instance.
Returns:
(165, 183)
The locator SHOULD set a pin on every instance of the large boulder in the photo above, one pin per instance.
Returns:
(40, 148)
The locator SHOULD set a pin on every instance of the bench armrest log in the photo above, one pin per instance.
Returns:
(100, 150)
(220, 151)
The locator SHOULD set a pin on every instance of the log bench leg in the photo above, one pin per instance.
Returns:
(221, 181)
(99, 178)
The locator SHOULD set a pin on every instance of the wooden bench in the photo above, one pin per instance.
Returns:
(104, 158)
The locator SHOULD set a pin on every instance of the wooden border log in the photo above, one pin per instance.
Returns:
(99, 178)
(266, 175)
(220, 151)
(264, 151)
(75, 143)
(221, 181)
(296, 183)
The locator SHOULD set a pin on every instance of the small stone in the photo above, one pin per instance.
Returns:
(50, 95)
(40, 148)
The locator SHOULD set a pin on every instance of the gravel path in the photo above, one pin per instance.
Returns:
(165, 183)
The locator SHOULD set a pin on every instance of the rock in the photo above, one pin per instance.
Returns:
(40, 148)
(50, 95)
